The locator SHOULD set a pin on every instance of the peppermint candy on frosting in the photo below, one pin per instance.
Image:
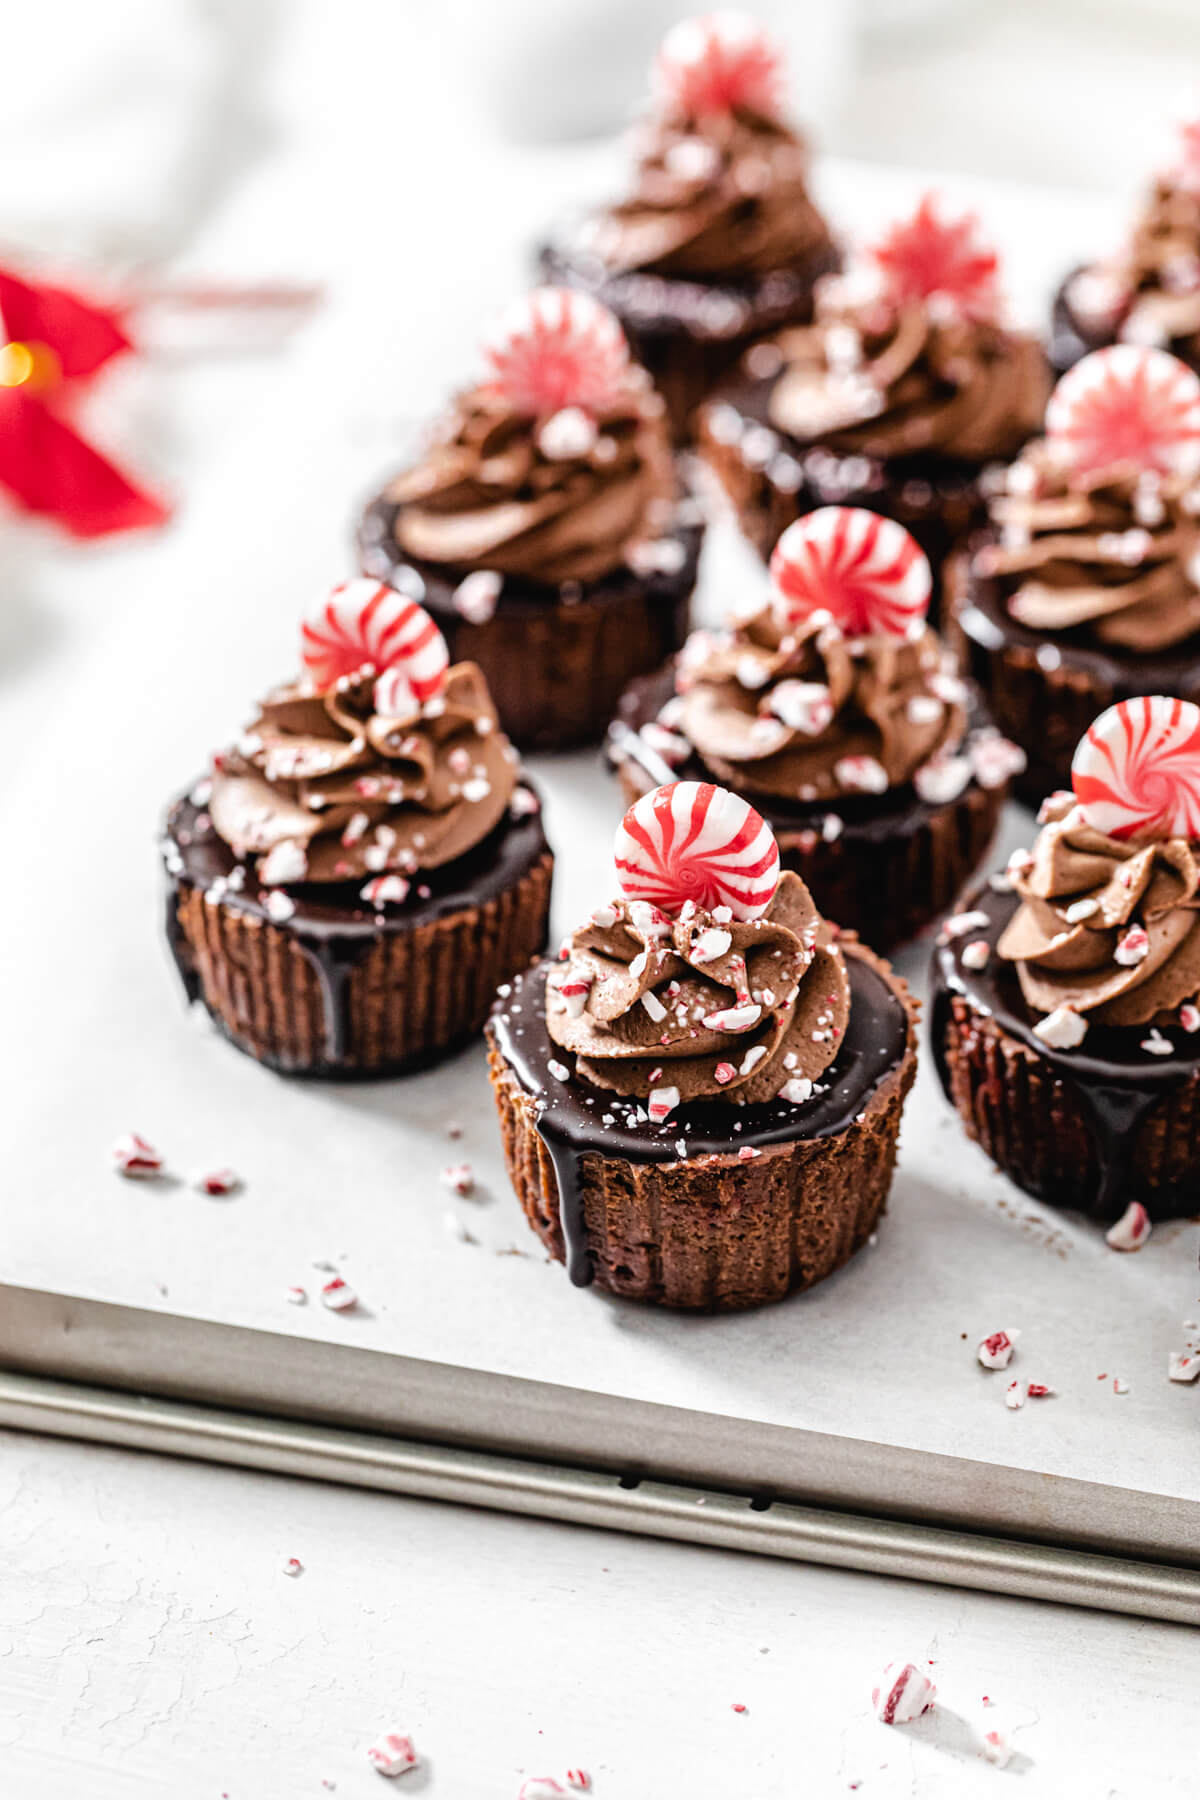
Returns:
(1136, 771)
(720, 62)
(864, 571)
(1126, 404)
(365, 624)
(556, 349)
(693, 841)
(927, 258)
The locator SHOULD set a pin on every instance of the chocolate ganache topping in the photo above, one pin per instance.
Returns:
(1107, 928)
(702, 1005)
(907, 355)
(1148, 292)
(557, 468)
(1114, 552)
(720, 183)
(378, 761)
(802, 712)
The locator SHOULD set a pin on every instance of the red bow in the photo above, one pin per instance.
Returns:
(51, 344)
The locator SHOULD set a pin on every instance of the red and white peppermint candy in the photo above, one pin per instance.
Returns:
(1136, 771)
(1126, 404)
(904, 1693)
(717, 63)
(392, 1754)
(366, 624)
(134, 1156)
(557, 348)
(866, 572)
(938, 260)
(693, 841)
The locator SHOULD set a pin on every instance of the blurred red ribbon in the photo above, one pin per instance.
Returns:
(52, 343)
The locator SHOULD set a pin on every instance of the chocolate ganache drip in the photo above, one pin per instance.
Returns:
(702, 1005)
(332, 785)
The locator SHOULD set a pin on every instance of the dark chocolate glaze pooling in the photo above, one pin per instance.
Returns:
(1116, 1083)
(332, 926)
(571, 1113)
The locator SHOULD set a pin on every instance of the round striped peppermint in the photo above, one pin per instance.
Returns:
(864, 571)
(1136, 771)
(555, 348)
(365, 624)
(693, 841)
(1127, 404)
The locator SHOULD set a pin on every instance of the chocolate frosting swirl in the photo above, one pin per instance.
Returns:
(793, 710)
(323, 788)
(1107, 927)
(723, 195)
(885, 380)
(559, 499)
(1116, 554)
(710, 1005)
(1149, 291)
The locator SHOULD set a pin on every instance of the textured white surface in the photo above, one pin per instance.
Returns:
(151, 1645)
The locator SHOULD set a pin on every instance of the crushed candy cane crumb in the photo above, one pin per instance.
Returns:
(904, 1693)
(293, 1566)
(338, 1295)
(1131, 1230)
(218, 1182)
(392, 1754)
(459, 1178)
(134, 1156)
(996, 1351)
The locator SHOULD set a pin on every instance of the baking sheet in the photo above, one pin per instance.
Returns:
(97, 1040)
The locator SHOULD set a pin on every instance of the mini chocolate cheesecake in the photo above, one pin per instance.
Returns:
(1148, 290)
(900, 397)
(718, 239)
(877, 769)
(545, 528)
(1086, 589)
(700, 1109)
(1064, 1013)
(366, 864)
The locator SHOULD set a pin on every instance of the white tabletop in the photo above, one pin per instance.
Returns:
(149, 1641)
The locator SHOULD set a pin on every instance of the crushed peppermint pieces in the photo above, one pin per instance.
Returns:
(134, 1157)
(1014, 1396)
(976, 954)
(1189, 1016)
(385, 890)
(1156, 1044)
(1062, 1029)
(279, 906)
(218, 1182)
(662, 1103)
(559, 1070)
(747, 1153)
(1182, 1365)
(1133, 948)
(996, 1351)
(797, 1090)
(459, 1178)
(959, 924)
(287, 861)
(997, 1749)
(476, 596)
(296, 1296)
(338, 1295)
(293, 1566)
(392, 1754)
(1131, 1230)
(904, 1693)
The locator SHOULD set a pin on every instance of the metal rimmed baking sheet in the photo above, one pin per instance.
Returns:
(864, 1394)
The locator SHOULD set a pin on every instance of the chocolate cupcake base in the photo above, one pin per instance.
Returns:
(722, 1207)
(335, 987)
(555, 657)
(1044, 691)
(883, 867)
(689, 334)
(773, 479)
(1092, 1128)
